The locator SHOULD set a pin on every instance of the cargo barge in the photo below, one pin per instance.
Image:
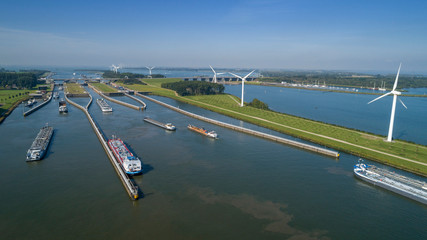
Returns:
(408, 187)
(104, 105)
(211, 134)
(130, 163)
(167, 126)
(40, 144)
(63, 106)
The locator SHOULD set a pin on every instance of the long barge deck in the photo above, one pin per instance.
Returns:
(167, 126)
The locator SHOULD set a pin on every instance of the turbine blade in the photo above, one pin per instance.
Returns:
(236, 75)
(397, 77)
(249, 74)
(379, 97)
(402, 103)
(212, 69)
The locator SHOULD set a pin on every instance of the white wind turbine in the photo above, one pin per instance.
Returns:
(393, 108)
(115, 68)
(243, 84)
(215, 73)
(149, 69)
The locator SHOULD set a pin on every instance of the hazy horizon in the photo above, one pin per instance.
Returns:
(362, 36)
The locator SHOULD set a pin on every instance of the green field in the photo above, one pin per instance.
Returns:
(157, 82)
(9, 98)
(404, 155)
(104, 88)
(74, 88)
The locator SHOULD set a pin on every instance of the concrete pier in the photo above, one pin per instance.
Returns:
(144, 106)
(130, 187)
(38, 106)
(249, 131)
(115, 100)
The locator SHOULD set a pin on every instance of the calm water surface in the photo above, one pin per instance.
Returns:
(236, 187)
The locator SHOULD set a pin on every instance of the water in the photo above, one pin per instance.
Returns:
(349, 110)
(238, 186)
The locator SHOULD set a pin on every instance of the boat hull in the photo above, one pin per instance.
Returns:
(390, 187)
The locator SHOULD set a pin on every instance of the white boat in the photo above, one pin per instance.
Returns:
(130, 163)
(63, 107)
(103, 105)
(40, 144)
(405, 186)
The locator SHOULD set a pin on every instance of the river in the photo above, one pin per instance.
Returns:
(236, 187)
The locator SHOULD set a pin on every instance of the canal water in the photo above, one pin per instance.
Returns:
(235, 187)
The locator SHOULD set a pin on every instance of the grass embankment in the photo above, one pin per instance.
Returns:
(74, 88)
(104, 88)
(401, 154)
(10, 99)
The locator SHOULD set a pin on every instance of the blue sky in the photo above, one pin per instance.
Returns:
(293, 34)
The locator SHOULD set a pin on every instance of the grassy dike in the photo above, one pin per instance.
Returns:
(400, 154)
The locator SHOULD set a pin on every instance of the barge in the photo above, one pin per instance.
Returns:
(63, 106)
(167, 126)
(40, 144)
(130, 163)
(104, 105)
(211, 134)
(405, 186)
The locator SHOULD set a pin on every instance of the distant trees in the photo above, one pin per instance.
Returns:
(185, 88)
(112, 74)
(258, 104)
(20, 79)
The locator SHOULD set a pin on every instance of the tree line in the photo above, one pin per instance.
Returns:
(26, 80)
(112, 74)
(343, 79)
(186, 88)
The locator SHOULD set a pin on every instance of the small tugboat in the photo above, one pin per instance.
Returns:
(211, 134)
(167, 126)
(40, 144)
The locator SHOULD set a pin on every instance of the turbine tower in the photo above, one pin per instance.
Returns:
(149, 69)
(243, 84)
(393, 108)
(215, 73)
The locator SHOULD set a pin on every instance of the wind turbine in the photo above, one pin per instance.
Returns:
(115, 68)
(243, 84)
(149, 69)
(215, 73)
(393, 108)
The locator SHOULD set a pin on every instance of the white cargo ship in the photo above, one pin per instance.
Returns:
(104, 105)
(408, 187)
(131, 164)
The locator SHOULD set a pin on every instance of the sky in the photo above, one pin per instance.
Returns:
(361, 35)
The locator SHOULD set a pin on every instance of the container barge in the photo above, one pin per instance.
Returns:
(40, 144)
(167, 126)
(104, 105)
(130, 163)
(408, 187)
(211, 134)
